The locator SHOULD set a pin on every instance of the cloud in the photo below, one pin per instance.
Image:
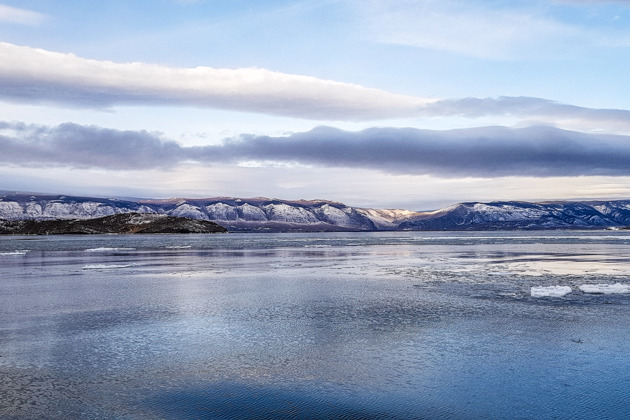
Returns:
(10, 14)
(36, 75)
(479, 152)
(80, 146)
(542, 110)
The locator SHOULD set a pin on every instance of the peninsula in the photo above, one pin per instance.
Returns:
(125, 223)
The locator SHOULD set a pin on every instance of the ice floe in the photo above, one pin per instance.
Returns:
(550, 291)
(19, 252)
(108, 249)
(574, 265)
(105, 266)
(605, 289)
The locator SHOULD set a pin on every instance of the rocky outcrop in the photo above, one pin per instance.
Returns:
(119, 223)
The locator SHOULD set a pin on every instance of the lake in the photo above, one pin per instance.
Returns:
(392, 325)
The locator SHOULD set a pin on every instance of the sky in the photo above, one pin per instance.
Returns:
(413, 104)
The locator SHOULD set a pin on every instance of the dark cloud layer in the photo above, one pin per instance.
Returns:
(80, 146)
(481, 152)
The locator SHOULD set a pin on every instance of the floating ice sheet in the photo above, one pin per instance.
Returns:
(105, 249)
(605, 289)
(574, 265)
(22, 252)
(550, 291)
(106, 266)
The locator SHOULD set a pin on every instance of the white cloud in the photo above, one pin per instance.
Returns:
(30, 74)
(10, 14)
(37, 76)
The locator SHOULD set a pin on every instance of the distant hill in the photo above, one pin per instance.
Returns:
(512, 215)
(272, 215)
(119, 223)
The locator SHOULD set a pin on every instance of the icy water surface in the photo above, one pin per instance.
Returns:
(339, 325)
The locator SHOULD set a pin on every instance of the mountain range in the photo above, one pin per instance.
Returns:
(273, 215)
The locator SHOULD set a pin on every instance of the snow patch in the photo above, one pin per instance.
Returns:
(336, 216)
(251, 213)
(286, 213)
(189, 211)
(221, 211)
(11, 210)
(388, 218)
(143, 219)
(34, 210)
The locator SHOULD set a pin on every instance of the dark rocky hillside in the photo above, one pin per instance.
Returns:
(119, 223)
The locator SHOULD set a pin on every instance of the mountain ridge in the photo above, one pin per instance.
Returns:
(276, 215)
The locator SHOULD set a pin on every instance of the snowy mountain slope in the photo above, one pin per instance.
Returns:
(522, 215)
(42, 207)
(233, 213)
(388, 219)
(263, 214)
(268, 214)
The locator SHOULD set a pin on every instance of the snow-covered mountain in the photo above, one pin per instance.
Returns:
(523, 215)
(263, 214)
(236, 214)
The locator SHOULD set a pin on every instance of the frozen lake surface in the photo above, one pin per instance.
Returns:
(530, 325)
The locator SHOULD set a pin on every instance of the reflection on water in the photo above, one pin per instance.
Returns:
(391, 325)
